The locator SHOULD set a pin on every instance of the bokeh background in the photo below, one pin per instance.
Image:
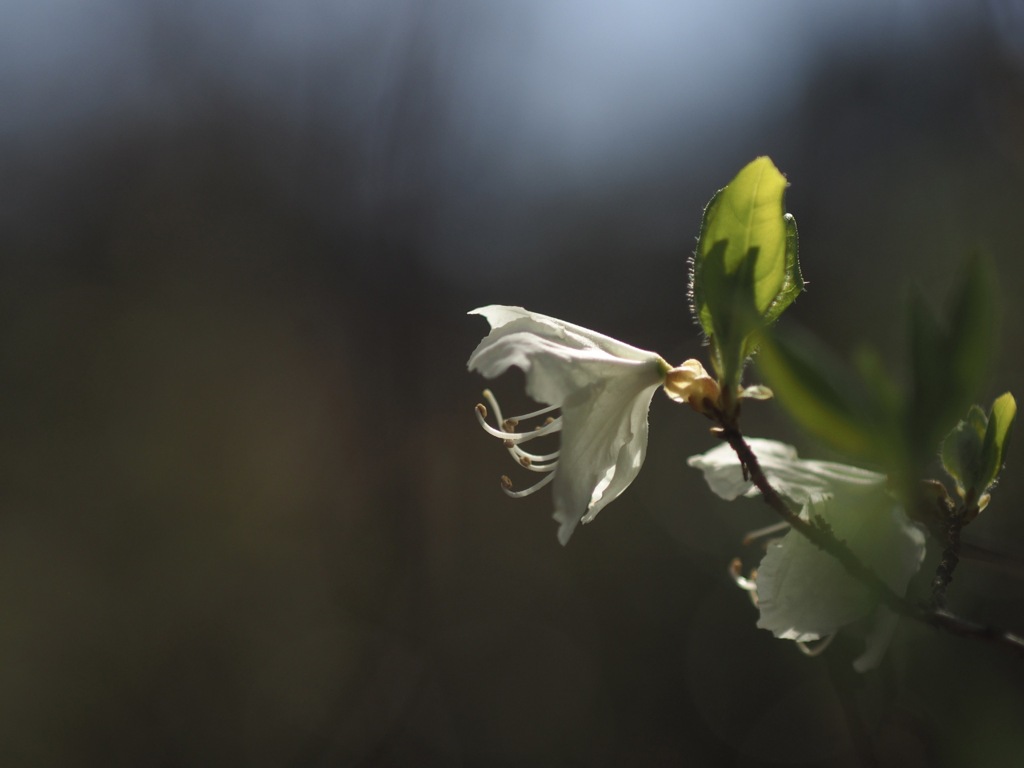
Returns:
(246, 514)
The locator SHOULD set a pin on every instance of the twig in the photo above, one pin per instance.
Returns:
(958, 625)
(1005, 563)
(950, 558)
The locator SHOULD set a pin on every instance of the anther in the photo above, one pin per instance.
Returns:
(548, 477)
(509, 425)
(750, 585)
(506, 482)
(482, 410)
(525, 461)
(814, 648)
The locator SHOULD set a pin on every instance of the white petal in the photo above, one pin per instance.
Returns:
(604, 443)
(500, 317)
(804, 593)
(800, 480)
(878, 639)
(722, 470)
(558, 359)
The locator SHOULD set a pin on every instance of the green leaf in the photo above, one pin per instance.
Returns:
(961, 452)
(997, 436)
(818, 392)
(745, 270)
(730, 309)
(793, 283)
(748, 216)
(699, 290)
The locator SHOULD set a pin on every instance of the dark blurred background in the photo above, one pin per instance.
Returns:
(246, 514)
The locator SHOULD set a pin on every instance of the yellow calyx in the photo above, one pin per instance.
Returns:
(690, 383)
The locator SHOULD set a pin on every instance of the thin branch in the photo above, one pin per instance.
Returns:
(965, 628)
(950, 557)
(1006, 563)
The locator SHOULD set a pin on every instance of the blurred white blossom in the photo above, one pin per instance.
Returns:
(804, 593)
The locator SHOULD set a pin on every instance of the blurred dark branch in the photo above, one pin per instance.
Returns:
(952, 529)
(1005, 563)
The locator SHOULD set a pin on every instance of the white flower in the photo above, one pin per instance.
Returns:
(603, 388)
(804, 593)
(800, 480)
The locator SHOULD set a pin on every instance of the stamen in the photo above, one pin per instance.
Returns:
(768, 530)
(506, 486)
(748, 585)
(736, 571)
(819, 646)
(520, 437)
(489, 397)
(514, 420)
(530, 459)
(534, 462)
(549, 427)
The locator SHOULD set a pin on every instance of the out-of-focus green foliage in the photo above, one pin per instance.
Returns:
(745, 269)
(948, 364)
(864, 414)
(818, 391)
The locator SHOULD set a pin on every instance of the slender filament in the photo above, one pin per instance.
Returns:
(532, 462)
